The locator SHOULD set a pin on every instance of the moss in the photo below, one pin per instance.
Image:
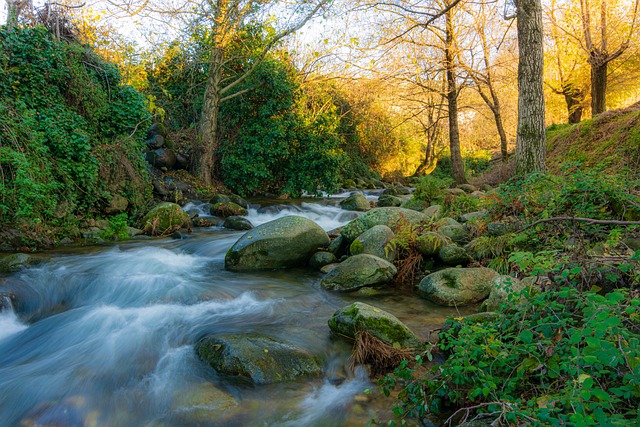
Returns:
(356, 247)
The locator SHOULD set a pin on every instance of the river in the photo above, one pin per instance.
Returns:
(104, 336)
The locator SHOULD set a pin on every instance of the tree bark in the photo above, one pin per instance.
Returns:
(457, 165)
(598, 85)
(206, 144)
(573, 97)
(430, 161)
(530, 143)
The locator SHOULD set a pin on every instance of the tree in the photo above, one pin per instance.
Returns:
(530, 143)
(600, 53)
(226, 18)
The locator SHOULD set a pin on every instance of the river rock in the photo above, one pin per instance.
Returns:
(433, 212)
(457, 233)
(199, 404)
(381, 216)
(375, 241)
(237, 223)
(429, 244)
(359, 317)
(165, 217)
(457, 286)
(155, 142)
(156, 129)
(388, 200)
(282, 243)
(359, 271)
(226, 209)
(223, 198)
(320, 259)
(503, 286)
(13, 262)
(161, 158)
(338, 246)
(355, 202)
(261, 359)
(453, 255)
(500, 228)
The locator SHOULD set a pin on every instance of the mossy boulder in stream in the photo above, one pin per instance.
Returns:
(359, 271)
(261, 359)
(355, 202)
(389, 216)
(458, 286)
(361, 317)
(430, 243)
(227, 209)
(375, 241)
(13, 262)
(285, 242)
(165, 218)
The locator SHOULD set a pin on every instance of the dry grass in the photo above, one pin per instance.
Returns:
(380, 356)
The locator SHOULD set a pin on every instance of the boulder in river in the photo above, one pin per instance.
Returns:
(375, 241)
(359, 271)
(226, 209)
(261, 359)
(164, 218)
(282, 243)
(13, 262)
(355, 202)
(361, 317)
(389, 216)
(430, 243)
(453, 255)
(457, 286)
(320, 259)
(237, 223)
(388, 200)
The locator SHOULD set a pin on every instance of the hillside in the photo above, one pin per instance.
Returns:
(610, 141)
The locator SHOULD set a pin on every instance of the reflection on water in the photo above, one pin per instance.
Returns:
(111, 336)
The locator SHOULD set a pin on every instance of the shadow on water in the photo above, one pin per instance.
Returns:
(106, 338)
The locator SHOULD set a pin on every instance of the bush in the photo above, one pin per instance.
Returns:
(560, 358)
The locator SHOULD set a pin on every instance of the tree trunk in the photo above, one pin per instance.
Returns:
(573, 97)
(598, 86)
(530, 143)
(457, 165)
(206, 143)
(430, 161)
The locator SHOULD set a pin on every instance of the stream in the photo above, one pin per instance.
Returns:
(104, 336)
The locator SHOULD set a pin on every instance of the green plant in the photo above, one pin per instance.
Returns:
(430, 188)
(561, 357)
(118, 228)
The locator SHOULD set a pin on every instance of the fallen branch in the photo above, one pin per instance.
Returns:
(576, 219)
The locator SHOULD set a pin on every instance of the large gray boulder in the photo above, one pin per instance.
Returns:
(261, 359)
(355, 202)
(282, 243)
(452, 254)
(375, 241)
(433, 212)
(389, 216)
(361, 317)
(13, 262)
(458, 286)
(387, 200)
(161, 158)
(430, 243)
(457, 233)
(359, 271)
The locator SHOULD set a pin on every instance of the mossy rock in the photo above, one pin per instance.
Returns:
(282, 243)
(349, 183)
(13, 262)
(467, 188)
(388, 200)
(375, 241)
(224, 198)
(429, 244)
(261, 359)
(361, 317)
(390, 216)
(457, 233)
(227, 209)
(164, 218)
(237, 223)
(452, 254)
(500, 228)
(355, 202)
(472, 215)
(157, 129)
(433, 212)
(359, 271)
(456, 287)
(320, 259)
(200, 403)
(338, 246)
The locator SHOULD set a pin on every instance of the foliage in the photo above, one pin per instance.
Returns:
(60, 107)
(118, 228)
(430, 188)
(561, 358)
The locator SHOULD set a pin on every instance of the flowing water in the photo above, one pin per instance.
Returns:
(106, 337)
